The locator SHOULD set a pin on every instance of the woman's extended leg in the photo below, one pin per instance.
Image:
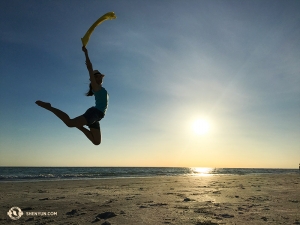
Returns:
(93, 134)
(76, 122)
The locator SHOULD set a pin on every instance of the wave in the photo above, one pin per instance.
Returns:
(66, 173)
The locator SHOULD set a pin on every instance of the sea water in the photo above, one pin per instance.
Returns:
(68, 173)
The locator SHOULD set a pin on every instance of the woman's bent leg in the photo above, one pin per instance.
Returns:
(94, 135)
(76, 122)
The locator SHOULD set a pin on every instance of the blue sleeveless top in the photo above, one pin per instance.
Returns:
(101, 99)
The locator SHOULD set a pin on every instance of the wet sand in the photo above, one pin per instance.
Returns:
(219, 199)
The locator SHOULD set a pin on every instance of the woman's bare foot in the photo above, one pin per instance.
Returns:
(45, 105)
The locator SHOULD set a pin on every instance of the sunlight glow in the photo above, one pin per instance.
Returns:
(201, 127)
(202, 171)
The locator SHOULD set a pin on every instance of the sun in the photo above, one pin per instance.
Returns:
(201, 127)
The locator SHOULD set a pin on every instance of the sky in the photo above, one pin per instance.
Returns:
(168, 63)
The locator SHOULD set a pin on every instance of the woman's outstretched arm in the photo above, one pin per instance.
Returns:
(89, 66)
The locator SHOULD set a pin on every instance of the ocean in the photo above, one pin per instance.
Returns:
(80, 173)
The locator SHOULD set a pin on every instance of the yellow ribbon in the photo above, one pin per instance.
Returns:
(107, 16)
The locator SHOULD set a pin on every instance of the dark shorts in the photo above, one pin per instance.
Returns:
(93, 116)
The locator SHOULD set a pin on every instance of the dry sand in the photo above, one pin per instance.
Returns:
(234, 199)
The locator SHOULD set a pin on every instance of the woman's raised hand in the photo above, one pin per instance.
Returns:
(84, 49)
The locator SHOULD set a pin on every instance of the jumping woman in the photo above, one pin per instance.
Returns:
(94, 114)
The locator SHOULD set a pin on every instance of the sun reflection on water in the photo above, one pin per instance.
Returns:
(202, 171)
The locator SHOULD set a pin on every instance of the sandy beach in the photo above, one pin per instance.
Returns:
(196, 200)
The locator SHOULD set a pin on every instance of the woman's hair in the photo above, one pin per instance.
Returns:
(90, 93)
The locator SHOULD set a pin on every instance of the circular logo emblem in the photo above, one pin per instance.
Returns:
(15, 213)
